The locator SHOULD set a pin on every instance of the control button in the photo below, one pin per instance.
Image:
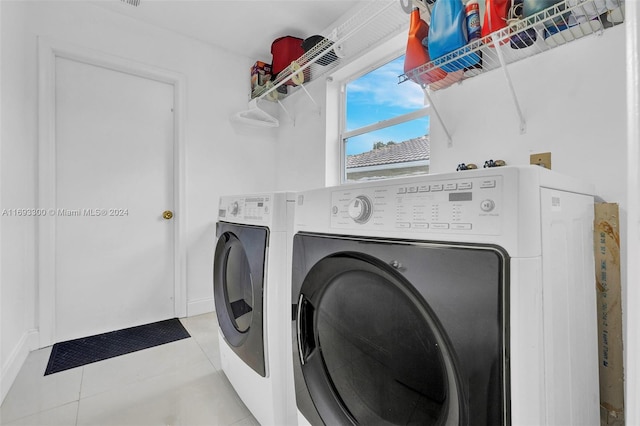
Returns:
(461, 226)
(360, 209)
(423, 188)
(487, 205)
(439, 226)
(450, 186)
(403, 225)
(490, 183)
(413, 189)
(402, 190)
(436, 187)
(465, 185)
(421, 225)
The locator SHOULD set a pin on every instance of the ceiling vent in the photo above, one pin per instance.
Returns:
(132, 2)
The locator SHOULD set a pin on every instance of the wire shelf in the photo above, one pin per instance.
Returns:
(555, 26)
(372, 24)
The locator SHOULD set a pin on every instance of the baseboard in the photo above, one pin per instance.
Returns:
(200, 306)
(12, 366)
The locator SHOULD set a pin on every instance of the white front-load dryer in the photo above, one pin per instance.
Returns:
(456, 299)
(251, 282)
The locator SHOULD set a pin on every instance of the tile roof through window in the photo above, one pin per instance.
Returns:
(416, 149)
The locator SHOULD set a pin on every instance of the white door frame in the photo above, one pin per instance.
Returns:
(48, 51)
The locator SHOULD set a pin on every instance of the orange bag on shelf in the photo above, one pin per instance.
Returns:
(416, 54)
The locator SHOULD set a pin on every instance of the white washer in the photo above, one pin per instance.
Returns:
(460, 298)
(251, 291)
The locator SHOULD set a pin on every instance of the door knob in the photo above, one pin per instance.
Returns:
(167, 214)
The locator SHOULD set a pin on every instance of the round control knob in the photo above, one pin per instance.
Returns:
(234, 208)
(487, 205)
(360, 209)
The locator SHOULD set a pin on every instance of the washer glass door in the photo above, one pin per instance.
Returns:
(383, 354)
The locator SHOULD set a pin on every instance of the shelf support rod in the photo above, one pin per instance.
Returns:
(435, 110)
(503, 64)
(286, 112)
(311, 97)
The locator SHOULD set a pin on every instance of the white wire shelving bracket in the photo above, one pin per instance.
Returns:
(562, 23)
(507, 76)
(435, 111)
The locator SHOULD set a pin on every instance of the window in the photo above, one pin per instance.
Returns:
(386, 127)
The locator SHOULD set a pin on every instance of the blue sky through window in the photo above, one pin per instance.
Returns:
(377, 96)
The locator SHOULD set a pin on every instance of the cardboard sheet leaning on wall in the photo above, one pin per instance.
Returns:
(607, 265)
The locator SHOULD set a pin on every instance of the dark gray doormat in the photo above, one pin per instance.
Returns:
(78, 352)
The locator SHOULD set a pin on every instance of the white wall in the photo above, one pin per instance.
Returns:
(213, 94)
(301, 139)
(17, 190)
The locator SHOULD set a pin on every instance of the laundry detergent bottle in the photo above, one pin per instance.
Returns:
(448, 33)
(495, 17)
(534, 7)
(416, 55)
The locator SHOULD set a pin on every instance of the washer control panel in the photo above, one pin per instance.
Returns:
(256, 208)
(471, 204)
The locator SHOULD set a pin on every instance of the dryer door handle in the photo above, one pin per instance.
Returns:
(304, 328)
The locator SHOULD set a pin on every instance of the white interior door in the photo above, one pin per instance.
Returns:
(114, 251)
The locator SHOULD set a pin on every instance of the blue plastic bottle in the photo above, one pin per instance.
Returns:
(448, 33)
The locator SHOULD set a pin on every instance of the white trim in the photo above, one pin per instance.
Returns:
(48, 51)
(180, 201)
(422, 112)
(632, 308)
(390, 166)
(200, 306)
(3, 381)
(15, 361)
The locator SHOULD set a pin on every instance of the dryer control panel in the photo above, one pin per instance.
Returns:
(468, 204)
(250, 208)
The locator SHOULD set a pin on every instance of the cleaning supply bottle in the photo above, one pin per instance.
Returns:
(536, 7)
(521, 39)
(472, 12)
(416, 55)
(495, 17)
(448, 33)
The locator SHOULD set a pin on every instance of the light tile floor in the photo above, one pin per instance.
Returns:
(179, 383)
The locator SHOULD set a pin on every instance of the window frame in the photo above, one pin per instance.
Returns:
(344, 135)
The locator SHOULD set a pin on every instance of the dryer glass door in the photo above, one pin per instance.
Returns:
(384, 356)
(237, 285)
(238, 281)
